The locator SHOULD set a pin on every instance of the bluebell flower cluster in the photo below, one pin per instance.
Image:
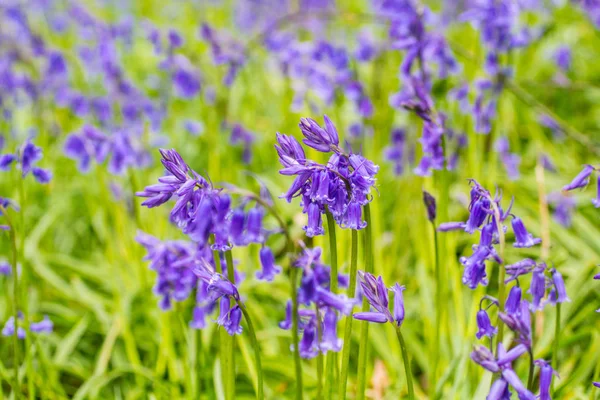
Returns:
(341, 187)
(212, 222)
(322, 308)
(485, 212)
(319, 71)
(44, 326)
(377, 295)
(26, 157)
(510, 161)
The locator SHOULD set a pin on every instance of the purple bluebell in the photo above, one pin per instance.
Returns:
(342, 186)
(377, 294)
(267, 261)
(546, 373)
(484, 325)
(510, 161)
(522, 237)
(484, 357)
(538, 286)
(560, 292)
(330, 341)
(9, 329)
(396, 151)
(513, 301)
(563, 206)
(581, 180)
(185, 78)
(44, 326)
(430, 205)
(562, 58)
(5, 268)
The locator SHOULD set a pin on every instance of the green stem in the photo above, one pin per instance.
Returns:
(295, 336)
(333, 285)
(364, 328)
(348, 327)
(319, 359)
(531, 366)
(13, 241)
(438, 314)
(411, 392)
(24, 285)
(260, 392)
(556, 341)
(230, 346)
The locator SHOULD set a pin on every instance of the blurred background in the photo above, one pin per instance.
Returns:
(99, 86)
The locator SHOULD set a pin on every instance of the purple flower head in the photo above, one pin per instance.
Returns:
(559, 287)
(321, 139)
(484, 325)
(538, 286)
(267, 261)
(9, 329)
(519, 322)
(546, 373)
(330, 341)
(563, 206)
(29, 155)
(6, 160)
(185, 78)
(44, 326)
(315, 224)
(562, 58)
(289, 150)
(513, 301)
(376, 293)
(522, 237)
(398, 314)
(430, 206)
(233, 324)
(308, 346)
(581, 180)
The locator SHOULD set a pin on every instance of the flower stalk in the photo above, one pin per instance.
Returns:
(348, 326)
(333, 285)
(406, 361)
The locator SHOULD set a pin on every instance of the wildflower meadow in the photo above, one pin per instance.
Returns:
(300, 199)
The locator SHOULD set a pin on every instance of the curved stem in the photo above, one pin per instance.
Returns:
(556, 341)
(348, 327)
(364, 328)
(319, 358)
(295, 336)
(24, 285)
(407, 369)
(260, 392)
(438, 314)
(13, 241)
(230, 340)
(531, 366)
(333, 285)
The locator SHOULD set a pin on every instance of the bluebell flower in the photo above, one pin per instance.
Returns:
(546, 373)
(484, 325)
(581, 180)
(522, 237)
(267, 261)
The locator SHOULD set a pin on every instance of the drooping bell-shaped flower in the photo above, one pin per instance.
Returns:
(522, 237)
(546, 373)
(315, 224)
(559, 287)
(330, 341)
(267, 261)
(538, 286)
(513, 301)
(398, 312)
(581, 180)
(485, 325)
